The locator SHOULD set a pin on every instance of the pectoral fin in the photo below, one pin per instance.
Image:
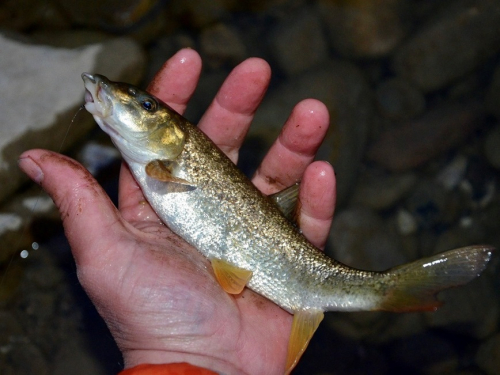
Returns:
(232, 279)
(159, 171)
(304, 325)
(287, 200)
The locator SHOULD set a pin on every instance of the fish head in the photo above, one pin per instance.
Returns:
(139, 124)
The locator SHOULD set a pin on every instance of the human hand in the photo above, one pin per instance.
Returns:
(157, 294)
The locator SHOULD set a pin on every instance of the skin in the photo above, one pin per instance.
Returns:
(157, 294)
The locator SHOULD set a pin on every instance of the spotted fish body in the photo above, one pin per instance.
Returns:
(201, 195)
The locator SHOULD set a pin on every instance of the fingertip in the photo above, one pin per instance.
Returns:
(318, 190)
(176, 80)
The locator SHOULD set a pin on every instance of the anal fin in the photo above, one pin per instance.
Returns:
(231, 278)
(305, 323)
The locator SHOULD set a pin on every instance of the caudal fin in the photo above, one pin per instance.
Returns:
(413, 286)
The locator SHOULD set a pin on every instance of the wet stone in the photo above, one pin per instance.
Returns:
(487, 356)
(364, 29)
(379, 190)
(491, 147)
(432, 206)
(417, 141)
(221, 44)
(457, 40)
(297, 42)
(361, 239)
(398, 99)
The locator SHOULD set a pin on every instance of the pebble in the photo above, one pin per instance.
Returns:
(459, 38)
(415, 142)
(491, 147)
(379, 190)
(471, 310)
(361, 239)
(221, 45)
(487, 356)
(297, 43)
(432, 206)
(364, 29)
(399, 99)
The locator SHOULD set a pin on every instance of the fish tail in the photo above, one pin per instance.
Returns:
(413, 286)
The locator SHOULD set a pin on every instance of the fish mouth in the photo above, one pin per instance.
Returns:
(97, 100)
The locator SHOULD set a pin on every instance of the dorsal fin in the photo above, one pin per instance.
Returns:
(287, 200)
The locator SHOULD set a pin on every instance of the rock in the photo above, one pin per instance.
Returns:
(297, 43)
(453, 173)
(345, 92)
(360, 239)
(42, 91)
(472, 309)
(432, 206)
(493, 96)
(379, 190)
(364, 28)
(398, 99)
(420, 354)
(26, 358)
(491, 149)
(95, 156)
(463, 36)
(406, 222)
(76, 358)
(220, 45)
(415, 142)
(487, 356)
(199, 14)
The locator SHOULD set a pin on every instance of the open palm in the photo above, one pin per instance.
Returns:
(157, 294)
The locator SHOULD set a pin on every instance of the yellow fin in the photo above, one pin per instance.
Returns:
(305, 323)
(231, 278)
(159, 170)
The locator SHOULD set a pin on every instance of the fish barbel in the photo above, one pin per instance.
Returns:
(249, 239)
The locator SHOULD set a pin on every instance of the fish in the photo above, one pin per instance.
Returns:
(253, 240)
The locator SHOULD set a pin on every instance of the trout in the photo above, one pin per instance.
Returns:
(251, 239)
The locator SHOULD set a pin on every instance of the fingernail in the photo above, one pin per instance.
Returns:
(31, 168)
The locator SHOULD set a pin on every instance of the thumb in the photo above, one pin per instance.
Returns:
(87, 213)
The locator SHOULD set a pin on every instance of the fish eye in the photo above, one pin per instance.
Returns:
(149, 105)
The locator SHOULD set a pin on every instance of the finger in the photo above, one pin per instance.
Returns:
(317, 197)
(131, 201)
(89, 216)
(295, 147)
(176, 81)
(229, 115)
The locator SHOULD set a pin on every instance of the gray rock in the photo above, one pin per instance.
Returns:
(379, 190)
(398, 99)
(361, 239)
(492, 147)
(221, 44)
(42, 91)
(493, 96)
(464, 35)
(432, 206)
(364, 29)
(487, 356)
(76, 358)
(415, 142)
(297, 42)
(343, 89)
(472, 309)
